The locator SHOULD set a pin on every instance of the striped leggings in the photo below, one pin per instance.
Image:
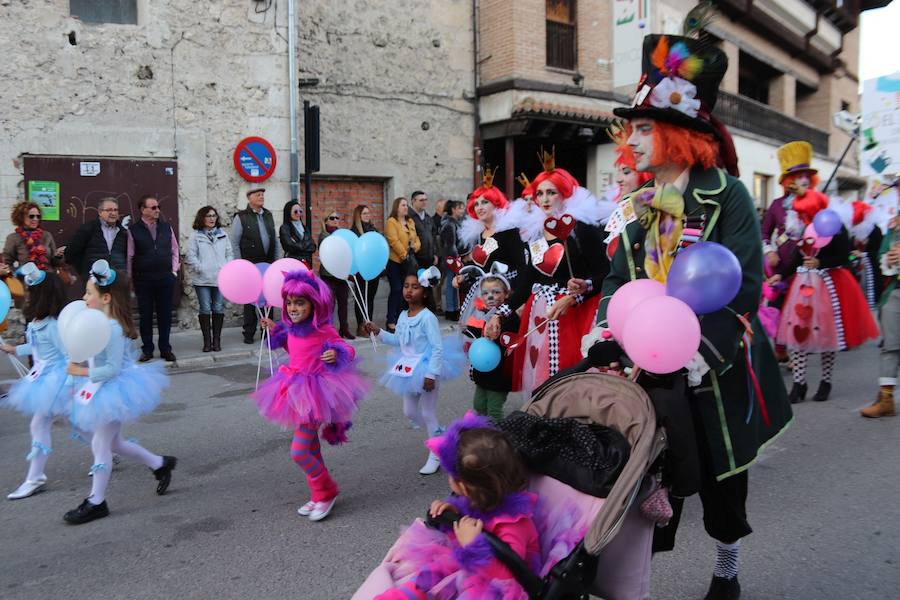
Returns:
(307, 452)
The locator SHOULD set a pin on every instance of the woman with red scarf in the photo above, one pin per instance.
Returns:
(824, 311)
(29, 243)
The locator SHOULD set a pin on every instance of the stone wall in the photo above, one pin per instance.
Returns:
(193, 78)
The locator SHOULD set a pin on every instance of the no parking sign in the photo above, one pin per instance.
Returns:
(254, 159)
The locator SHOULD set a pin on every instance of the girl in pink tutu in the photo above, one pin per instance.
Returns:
(487, 478)
(319, 386)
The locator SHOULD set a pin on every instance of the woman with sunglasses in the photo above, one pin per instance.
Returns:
(296, 240)
(340, 289)
(29, 242)
(362, 223)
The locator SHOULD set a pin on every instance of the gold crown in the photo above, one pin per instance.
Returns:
(548, 160)
(487, 177)
(618, 133)
(523, 179)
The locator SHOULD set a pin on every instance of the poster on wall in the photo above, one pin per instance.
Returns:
(46, 195)
(879, 144)
(631, 22)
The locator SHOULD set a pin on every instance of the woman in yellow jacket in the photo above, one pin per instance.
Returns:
(400, 232)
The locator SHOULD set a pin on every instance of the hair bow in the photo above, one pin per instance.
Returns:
(429, 277)
(102, 274)
(497, 270)
(30, 274)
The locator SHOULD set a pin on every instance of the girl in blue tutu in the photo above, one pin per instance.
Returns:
(424, 357)
(42, 393)
(113, 390)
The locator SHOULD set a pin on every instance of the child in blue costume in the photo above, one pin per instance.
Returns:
(114, 390)
(43, 392)
(424, 357)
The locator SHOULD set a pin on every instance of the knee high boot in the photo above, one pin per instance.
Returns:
(217, 320)
(205, 329)
(322, 487)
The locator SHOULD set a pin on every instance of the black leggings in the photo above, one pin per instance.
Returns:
(340, 291)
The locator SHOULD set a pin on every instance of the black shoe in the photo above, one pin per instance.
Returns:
(168, 356)
(248, 339)
(145, 357)
(823, 392)
(798, 393)
(86, 512)
(164, 474)
(723, 589)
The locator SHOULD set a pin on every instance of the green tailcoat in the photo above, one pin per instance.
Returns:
(731, 414)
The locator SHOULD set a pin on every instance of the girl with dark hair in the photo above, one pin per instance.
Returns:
(208, 250)
(42, 393)
(320, 385)
(424, 357)
(117, 391)
(487, 479)
(296, 240)
(362, 223)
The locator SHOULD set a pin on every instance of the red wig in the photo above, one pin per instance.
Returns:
(625, 158)
(788, 182)
(809, 204)
(682, 146)
(860, 210)
(492, 194)
(563, 180)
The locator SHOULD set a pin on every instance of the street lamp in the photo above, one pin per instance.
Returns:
(849, 124)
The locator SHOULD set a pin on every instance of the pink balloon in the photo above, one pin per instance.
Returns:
(626, 298)
(819, 241)
(274, 279)
(661, 335)
(240, 282)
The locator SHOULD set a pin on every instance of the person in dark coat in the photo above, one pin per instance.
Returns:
(296, 240)
(253, 238)
(153, 263)
(360, 224)
(103, 238)
(427, 254)
(675, 137)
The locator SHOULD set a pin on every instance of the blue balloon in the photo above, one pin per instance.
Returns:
(262, 268)
(705, 276)
(351, 238)
(827, 223)
(371, 254)
(5, 301)
(484, 355)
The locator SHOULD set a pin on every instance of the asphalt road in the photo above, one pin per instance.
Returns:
(823, 504)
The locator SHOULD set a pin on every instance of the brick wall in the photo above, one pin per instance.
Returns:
(342, 195)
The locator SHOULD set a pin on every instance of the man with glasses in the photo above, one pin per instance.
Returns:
(253, 238)
(153, 264)
(103, 238)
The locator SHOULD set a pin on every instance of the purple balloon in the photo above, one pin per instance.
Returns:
(827, 223)
(262, 268)
(705, 276)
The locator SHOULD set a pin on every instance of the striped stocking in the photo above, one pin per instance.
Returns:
(306, 451)
(828, 359)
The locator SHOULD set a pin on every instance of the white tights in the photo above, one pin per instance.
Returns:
(41, 445)
(421, 408)
(108, 439)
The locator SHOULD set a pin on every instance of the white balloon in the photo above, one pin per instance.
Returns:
(86, 335)
(68, 312)
(336, 256)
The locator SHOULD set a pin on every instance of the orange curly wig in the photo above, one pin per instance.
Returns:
(682, 146)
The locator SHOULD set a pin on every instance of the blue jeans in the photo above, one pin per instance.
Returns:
(210, 299)
(451, 294)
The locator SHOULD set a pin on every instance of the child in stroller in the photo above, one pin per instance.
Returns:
(586, 544)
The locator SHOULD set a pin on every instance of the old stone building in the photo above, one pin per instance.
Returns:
(126, 97)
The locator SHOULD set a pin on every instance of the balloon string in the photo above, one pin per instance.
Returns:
(363, 308)
(20, 368)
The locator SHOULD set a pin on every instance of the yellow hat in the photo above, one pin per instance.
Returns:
(795, 157)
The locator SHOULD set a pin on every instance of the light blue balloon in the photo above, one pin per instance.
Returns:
(351, 238)
(371, 254)
(5, 301)
(484, 355)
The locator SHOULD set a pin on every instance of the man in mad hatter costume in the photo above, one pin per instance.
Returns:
(692, 198)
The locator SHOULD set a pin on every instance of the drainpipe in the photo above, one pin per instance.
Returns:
(476, 137)
(292, 86)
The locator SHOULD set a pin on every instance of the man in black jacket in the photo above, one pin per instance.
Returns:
(103, 238)
(426, 256)
(254, 238)
(153, 262)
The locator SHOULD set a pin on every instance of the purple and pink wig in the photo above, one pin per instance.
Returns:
(305, 284)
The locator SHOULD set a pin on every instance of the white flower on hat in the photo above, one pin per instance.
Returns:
(677, 93)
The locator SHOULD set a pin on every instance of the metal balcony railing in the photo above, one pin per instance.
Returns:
(561, 45)
(756, 117)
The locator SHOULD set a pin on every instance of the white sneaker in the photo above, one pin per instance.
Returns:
(321, 509)
(431, 466)
(28, 487)
(306, 509)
